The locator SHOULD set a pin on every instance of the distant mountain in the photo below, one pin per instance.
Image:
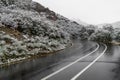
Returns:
(81, 22)
(101, 25)
(115, 24)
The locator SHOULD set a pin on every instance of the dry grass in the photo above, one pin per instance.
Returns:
(12, 32)
(115, 43)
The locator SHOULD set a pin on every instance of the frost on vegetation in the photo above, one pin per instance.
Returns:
(74, 29)
(106, 34)
(102, 35)
(41, 31)
(116, 35)
(12, 48)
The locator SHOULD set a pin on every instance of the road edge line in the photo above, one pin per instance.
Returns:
(87, 67)
(54, 73)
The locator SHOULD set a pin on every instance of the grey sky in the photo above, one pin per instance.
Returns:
(90, 11)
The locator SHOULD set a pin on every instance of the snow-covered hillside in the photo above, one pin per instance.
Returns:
(27, 28)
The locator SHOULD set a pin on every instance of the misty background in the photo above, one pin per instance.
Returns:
(89, 11)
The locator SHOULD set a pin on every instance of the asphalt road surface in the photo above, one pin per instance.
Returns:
(85, 60)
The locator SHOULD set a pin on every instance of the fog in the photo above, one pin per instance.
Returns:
(90, 11)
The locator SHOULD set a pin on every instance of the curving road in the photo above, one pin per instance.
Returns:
(85, 60)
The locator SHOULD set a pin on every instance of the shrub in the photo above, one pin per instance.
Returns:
(101, 36)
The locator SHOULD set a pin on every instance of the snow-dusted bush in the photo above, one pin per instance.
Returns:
(117, 38)
(90, 29)
(42, 29)
(12, 48)
(71, 27)
(31, 23)
(11, 2)
(108, 27)
(116, 35)
(101, 36)
(84, 36)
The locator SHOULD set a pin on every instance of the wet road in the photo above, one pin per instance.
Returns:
(107, 67)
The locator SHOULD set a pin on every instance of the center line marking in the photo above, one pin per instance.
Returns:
(76, 76)
(54, 73)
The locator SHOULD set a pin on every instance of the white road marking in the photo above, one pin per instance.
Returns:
(76, 76)
(54, 73)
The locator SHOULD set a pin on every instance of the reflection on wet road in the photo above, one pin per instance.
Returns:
(106, 68)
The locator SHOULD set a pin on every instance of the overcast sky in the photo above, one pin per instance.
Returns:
(90, 11)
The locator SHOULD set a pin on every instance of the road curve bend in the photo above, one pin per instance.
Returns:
(82, 71)
(56, 72)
